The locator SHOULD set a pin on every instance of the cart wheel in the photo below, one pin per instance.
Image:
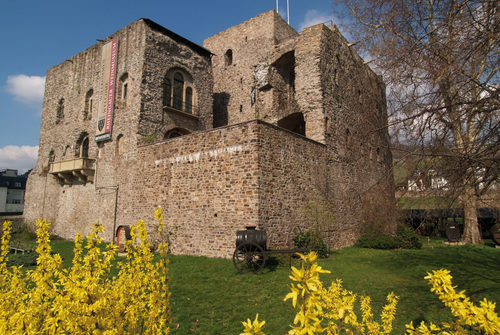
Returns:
(249, 257)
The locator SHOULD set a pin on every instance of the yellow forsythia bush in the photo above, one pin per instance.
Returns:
(86, 298)
(331, 311)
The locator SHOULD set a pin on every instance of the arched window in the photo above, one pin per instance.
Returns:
(65, 152)
(178, 91)
(176, 132)
(119, 144)
(89, 101)
(228, 57)
(84, 153)
(82, 146)
(123, 93)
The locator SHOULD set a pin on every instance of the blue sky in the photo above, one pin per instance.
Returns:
(36, 35)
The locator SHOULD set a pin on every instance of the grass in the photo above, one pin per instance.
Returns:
(210, 297)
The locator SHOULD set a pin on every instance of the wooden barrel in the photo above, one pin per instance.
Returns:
(453, 233)
(495, 233)
(251, 235)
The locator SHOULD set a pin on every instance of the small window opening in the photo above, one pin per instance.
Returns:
(124, 87)
(52, 156)
(89, 101)
(82, 146)
(228, 57)
(65, 152)
(119, 144)
(60, 110)
(294, 122)
(176, 132)
(84, 153)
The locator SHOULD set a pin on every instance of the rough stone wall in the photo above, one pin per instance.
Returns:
(162, 54)
(71, 80)
(213, 182)
(308, 90)
(356, 129)
(250, 42)
(292, 172)
(207, 185)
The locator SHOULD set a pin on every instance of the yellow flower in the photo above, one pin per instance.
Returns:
(253, 328)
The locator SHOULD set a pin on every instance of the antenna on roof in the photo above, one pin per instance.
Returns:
(288, 11)
(277, 7)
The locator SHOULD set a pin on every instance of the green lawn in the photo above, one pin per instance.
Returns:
(210, 297)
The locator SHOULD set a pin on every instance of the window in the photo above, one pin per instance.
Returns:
(123, 87)
(167, 92)
(60, 111)
(176, 132)
(189, 100)
(119, 144)
(65, 152)
(82, 146)
(178, 91)
(294, 122)
(89, 100)
(228, 57)
(52, 156)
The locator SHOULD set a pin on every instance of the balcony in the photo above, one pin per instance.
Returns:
(182, 108)
(73, 170)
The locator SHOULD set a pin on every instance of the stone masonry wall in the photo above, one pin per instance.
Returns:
(356, 130)
(211, 184)
(207, 185)
(292, 172)
(72, 207)
(250, 42)
(162, 53)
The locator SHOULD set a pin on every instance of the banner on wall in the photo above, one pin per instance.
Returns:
(109, 59)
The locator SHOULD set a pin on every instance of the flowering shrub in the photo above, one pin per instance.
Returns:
(86, 298)
(329, 310)
(332, 311)
(481, 319)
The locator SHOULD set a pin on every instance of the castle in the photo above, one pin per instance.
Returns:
(243, 131)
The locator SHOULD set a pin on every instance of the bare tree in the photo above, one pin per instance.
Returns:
(440, 61)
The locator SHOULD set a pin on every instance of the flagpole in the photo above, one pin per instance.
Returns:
(288, 11)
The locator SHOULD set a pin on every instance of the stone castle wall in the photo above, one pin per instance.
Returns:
(215, 181)
(250, 43)
(61, 132)
(163, 53)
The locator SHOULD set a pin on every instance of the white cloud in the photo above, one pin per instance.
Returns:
(17, 157)
(313, 17)
(27, 89)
